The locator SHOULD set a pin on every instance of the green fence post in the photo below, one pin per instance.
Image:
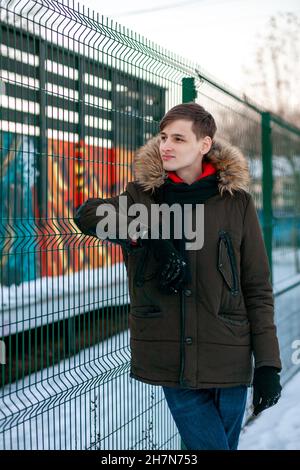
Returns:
(189, 92)
(42, 156)
(267, 185)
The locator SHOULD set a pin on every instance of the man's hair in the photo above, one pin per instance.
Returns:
(203, 122)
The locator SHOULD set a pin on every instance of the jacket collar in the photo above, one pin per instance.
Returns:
(229, 162)
(207, 170)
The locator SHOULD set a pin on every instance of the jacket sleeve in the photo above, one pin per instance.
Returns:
(90, 222)
(258, 292)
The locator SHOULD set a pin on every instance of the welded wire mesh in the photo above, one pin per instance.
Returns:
(79, 94)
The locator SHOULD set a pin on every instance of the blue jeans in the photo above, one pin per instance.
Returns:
(208, 419)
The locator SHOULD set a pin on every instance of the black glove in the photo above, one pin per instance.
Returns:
(173, 266)
(266, 388)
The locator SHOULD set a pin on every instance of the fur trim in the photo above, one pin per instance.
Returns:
(229, 161)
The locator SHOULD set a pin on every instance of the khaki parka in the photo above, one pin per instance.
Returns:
(213, 332)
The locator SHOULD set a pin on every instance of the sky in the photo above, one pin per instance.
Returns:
(220, 35)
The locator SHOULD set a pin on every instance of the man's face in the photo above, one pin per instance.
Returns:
(179, 147)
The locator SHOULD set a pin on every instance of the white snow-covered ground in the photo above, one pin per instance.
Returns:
(89, 401)
(277, 428)
(86, 402)
(284, 264)
(50, 299)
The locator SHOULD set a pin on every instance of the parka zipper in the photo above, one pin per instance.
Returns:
(225, 236)
(182, 329)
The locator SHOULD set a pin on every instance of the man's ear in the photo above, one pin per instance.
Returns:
(206, 145)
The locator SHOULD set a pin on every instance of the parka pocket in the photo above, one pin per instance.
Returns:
(236, 327)
(234, 319)
(227, 263)
(145, 311)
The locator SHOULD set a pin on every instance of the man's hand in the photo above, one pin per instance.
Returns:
(173, 266)
(266, 388)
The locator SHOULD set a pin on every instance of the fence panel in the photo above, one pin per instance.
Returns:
(79, 94)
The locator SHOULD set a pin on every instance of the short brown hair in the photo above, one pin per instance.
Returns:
(203, 122)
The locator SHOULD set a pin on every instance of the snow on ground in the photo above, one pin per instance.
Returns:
(79, 403)
(277, 428)
(86, 402)
(50, 299)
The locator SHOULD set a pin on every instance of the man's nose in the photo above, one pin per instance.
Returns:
(166, 145)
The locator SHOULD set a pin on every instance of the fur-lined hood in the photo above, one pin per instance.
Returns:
(230, 163)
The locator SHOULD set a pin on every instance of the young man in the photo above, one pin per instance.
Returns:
(199, 311)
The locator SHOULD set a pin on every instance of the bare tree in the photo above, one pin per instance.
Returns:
(274, 83)
(274, 79)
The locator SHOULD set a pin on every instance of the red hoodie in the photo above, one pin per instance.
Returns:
(207, 170)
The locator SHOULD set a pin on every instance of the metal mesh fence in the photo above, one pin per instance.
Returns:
(79, 94)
